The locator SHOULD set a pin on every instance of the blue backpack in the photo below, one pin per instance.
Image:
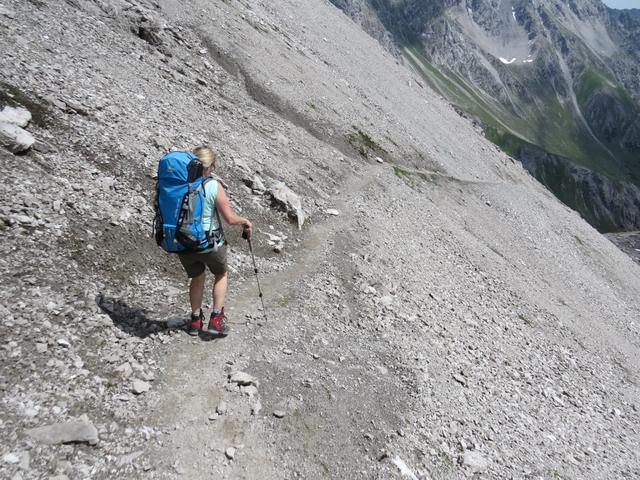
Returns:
(179, 204)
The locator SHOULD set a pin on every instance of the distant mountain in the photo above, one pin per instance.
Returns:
(555, 83)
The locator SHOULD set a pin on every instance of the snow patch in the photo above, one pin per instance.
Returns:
(513, 12)
(470, 11)
(507, 62)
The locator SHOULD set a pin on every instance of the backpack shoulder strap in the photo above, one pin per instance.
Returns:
(214, 210)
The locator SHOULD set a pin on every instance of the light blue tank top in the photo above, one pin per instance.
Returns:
(210, 213)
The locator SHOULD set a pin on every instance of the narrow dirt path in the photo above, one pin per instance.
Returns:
(196, 438)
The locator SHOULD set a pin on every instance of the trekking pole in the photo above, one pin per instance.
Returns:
(255, 270)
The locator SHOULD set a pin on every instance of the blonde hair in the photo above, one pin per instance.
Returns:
(206, 155)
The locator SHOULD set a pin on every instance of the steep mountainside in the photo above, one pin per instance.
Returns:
(554, 83)
(437, 315)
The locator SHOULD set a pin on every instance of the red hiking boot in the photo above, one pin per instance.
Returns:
(218, 323)
(195, 326)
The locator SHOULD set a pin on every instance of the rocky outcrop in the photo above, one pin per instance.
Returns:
(606, 204)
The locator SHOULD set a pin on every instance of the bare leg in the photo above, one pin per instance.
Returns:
(219, 290)
(196, 291)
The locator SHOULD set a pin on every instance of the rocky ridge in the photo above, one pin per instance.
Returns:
(468, 324)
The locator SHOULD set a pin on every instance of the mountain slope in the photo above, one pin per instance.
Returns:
(453, 319)
(551, 82)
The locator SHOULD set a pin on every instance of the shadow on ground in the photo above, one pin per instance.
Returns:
(134, 320)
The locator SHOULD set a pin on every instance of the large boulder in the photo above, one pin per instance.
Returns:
(286, 197)
(80, 430)
(16, 115)
(14, 138)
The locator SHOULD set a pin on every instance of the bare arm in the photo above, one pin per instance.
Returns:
(226, 211)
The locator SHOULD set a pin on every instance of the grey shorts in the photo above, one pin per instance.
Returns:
(194, 263)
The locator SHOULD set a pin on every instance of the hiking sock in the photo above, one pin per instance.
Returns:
(216, 311)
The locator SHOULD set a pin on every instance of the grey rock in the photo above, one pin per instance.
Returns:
(475, 460)
(129, 458)
(332, 211)
(279, 413)
(42, 146)
(14, 138)
(256, 408)
(11, 457)
(6, 12)
(230, 453)
(460, 379)
(140, 386)
(25, 460)
(15, 115)
(221, 409)
(288, 199)
(241, 165)
(125, 370)
(257, 186)
(80, 431)
(57, 103)
(250, 390)
(242, 379)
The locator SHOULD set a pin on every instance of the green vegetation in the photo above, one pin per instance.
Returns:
(415, 179)
(541, 120)
(362, 142)
(401, 173)
(525, 320)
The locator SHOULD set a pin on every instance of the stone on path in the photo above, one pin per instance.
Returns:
(332, 211)
(279, 413)
(230, 453)
(80, 430)
(221, 409)
(242, 379)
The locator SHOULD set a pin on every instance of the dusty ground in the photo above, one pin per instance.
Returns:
(454, 320)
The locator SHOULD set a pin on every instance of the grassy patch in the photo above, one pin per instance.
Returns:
(525, 319)
(362, 142)
(540, 118)
(430, 177)
(401, 172)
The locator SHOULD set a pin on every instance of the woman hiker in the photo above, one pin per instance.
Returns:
(216, 205)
